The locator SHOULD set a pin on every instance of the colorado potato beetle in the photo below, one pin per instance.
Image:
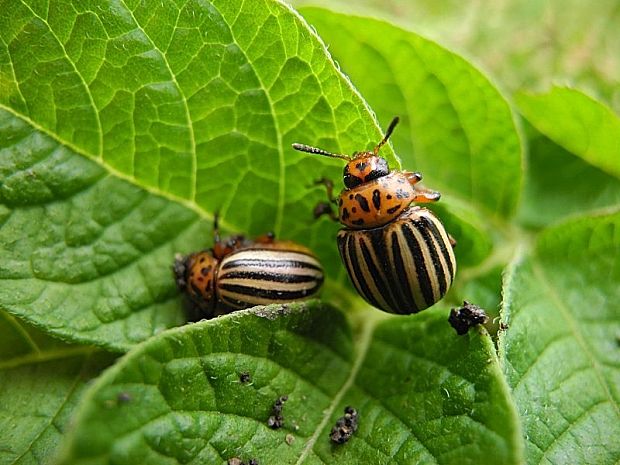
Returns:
(399, 257)
(238, 273)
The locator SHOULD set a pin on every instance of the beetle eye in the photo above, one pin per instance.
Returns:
(351, 181)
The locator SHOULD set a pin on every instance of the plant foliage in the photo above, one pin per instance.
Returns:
(127, 126)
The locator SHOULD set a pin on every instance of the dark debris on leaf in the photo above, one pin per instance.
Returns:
(276, 420)
(238, 461)
(345, 426)
(245, 377)
(467, 316)
(123, 397)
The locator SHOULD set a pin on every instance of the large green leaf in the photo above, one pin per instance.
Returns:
(125, 124)
(84, 254)
(456, 127)
(560, 352)
(578, 123)
(41, 382)
(444, 402)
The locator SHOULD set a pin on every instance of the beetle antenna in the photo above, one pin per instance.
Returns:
(388, 133)
(216, 228)
(317, 151)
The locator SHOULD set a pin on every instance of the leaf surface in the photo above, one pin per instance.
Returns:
(523, 43)
(125, 126)
(41, 382)
(421, 399)
(575, 188)
(560, 353)
(577, 122)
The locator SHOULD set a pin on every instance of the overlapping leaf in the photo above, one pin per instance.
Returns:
(578, 123)
(560, 352)
(575, 188)
(41, 382)
(523, 43)
(185, 401)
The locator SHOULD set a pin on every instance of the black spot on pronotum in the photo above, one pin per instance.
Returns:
(345, 426)
(345, 214)
(376, 198)
(205, 270)
(389, 197)
(276, 420)
(467, 316)
(358, 222)
(363, 203)
(393, 209)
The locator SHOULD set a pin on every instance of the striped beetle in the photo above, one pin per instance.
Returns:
(399, 257)
(240, 273)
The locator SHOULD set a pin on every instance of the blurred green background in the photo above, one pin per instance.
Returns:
(523, 44)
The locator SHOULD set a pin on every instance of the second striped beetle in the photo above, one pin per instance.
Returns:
(399, 257)
(238, 273)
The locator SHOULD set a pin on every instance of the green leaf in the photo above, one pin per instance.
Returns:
(41, 382)
(126, 126)
(424, 394)
(86, 256)
(577, 122)
(576, 187)
(523, 43)
(560, 353)
(457, 129)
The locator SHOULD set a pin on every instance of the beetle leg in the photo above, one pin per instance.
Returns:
(413, 177)
(329, 187)
(216, 227)
(267, 238)
(452, 241)
(423, 195)
(324, 208)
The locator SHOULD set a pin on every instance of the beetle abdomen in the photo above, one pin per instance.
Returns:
(402, 267)
(258, 276)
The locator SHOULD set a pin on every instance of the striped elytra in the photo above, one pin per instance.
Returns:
(238, 273)
(260, 276)
(402, 267)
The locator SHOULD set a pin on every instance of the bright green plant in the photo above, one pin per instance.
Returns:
(126, 125)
